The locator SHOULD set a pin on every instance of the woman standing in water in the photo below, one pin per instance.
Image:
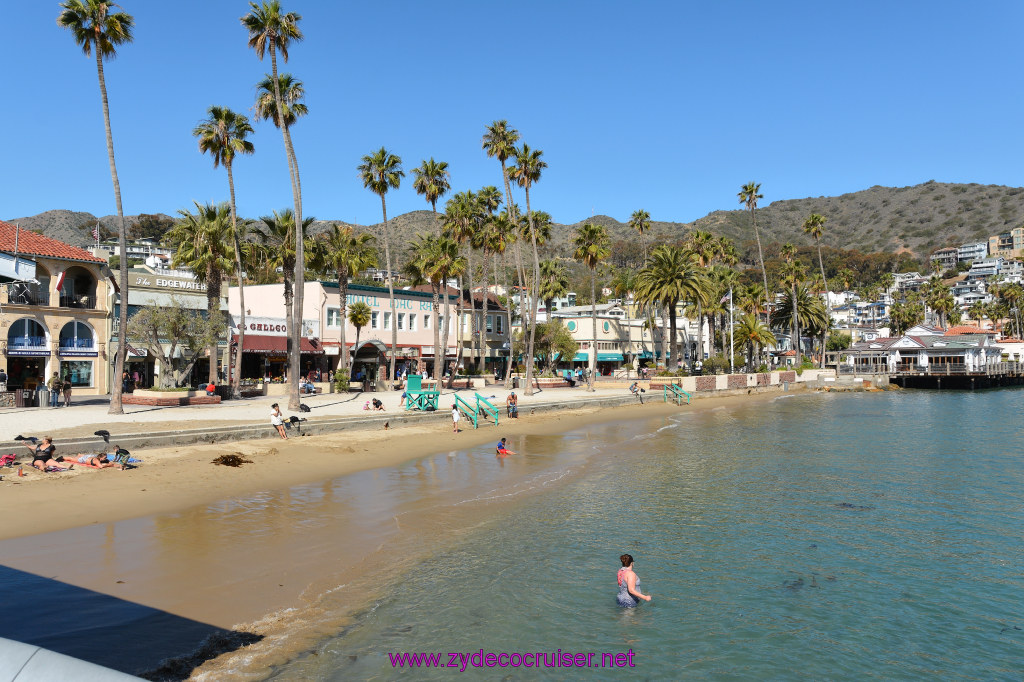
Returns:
(629, 584)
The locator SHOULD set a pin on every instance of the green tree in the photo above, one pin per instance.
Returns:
(673, 274)
(463, 221)
(591, 245)
(222, 136)
(272, 29)
(431, 180)
(526, 172)
(97, 29)
(202, 242)
(347, 253)
(382, 171)
(554, 283)
(751, 332)
(276, 250)
(359, 315)
(748, 196)
(792, 274)
(815, 227)
(176, 335)
(490, 199)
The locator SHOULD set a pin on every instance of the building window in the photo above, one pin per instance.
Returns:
(334, 317)
(501, 324)
(490, 324)
(412, 322)
(374, 320)
(426, 321)
(387, 320)
(79, 372)
(401, 320)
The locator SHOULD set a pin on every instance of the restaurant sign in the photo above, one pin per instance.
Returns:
(277, 326)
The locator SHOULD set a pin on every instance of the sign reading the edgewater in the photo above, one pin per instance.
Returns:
(155, 282)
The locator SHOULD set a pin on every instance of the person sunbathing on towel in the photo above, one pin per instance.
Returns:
(96, 461)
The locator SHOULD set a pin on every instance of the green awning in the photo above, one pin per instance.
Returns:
(610, 357)
(581, 357)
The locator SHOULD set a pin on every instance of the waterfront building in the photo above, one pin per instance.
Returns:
(927, 349)
(56, 303)
(1007, 244)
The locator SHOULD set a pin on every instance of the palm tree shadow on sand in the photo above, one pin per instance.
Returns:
(108, 631)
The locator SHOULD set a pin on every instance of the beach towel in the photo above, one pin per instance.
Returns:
(53, 470)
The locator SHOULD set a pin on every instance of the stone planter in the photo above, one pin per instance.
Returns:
(169, 398)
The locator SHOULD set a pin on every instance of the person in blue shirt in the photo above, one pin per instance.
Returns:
(503, 449)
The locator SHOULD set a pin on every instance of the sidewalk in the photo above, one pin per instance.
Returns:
(144, 425)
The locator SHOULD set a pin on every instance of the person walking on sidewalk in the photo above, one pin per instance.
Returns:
(56, 387)
(67, 390)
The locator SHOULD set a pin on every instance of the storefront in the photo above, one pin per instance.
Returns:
(265, 349)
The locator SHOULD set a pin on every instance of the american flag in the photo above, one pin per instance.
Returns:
(96, 232)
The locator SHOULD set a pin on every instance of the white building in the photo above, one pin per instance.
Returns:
(972, 252)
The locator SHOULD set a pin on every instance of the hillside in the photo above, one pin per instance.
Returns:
(918, 219)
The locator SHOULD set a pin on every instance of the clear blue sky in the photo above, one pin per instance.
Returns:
(666, 106)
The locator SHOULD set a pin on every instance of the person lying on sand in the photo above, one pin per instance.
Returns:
(95, 461)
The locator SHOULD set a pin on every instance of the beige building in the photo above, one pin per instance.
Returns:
(1008, 244)
(55, 302)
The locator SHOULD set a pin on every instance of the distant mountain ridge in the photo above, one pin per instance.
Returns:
(918, 219)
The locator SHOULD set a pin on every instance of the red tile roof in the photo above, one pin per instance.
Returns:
(967, 329)
(33, 244)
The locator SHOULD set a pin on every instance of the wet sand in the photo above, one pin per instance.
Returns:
(189, 551)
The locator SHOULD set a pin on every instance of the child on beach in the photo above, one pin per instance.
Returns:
(455, 418)
(502, 449)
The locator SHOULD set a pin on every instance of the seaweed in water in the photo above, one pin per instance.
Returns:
(235, 460)
(854, 507)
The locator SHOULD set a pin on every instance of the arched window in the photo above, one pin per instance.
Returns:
(76, 335)
(78, 289)
(26, 333)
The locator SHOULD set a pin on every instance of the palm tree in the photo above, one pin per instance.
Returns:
(432, 181)
(462, 222)
(748, 196)
(359, 315)
(202, 242)
(641, 222)
(526, 172)
(706, 248)
(277, 250)
(751, 332)
(96, 29)
(382, 171)
(554, 283)
(591, 245)
(490, 199)
(347, 254)
(672, 274)
(272, 28)
(793, 273)
(815, 226)
(623, 284)
(222, 135)
(292, 90)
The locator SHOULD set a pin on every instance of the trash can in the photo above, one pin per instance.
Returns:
(23, 397)
(42, 396)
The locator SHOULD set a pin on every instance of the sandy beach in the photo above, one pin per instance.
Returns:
(259, 587)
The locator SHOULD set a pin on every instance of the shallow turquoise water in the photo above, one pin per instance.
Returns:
(814, 537)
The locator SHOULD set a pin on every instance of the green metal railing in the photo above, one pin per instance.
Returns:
(466, 409)
(676, 394)
(484, 406)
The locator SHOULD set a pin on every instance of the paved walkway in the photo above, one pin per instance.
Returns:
(250, 418)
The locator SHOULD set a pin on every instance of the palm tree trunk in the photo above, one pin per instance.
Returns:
(458, 337)
(828, 305)
(520, 273)
(213, 285)
(473, 330)
(343, 306)
(760, 257)
(236, 377)
(796, 328)
(122, 331)
(481, 363)
(391, 295)
(295, 320)
(534, 295)
(508, 304)
(592, 355)
(675, 340)
(445, 332)
(439, 350)
(664, 336)
(700, 337)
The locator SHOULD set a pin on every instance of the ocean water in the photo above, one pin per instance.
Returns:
(825, 536)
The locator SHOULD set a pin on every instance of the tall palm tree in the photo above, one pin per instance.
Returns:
(623, 284)
(222, 136)
(202, 242)
(526, 172)
(810, 312)
(748, 196)
(347, 253)
(96, 29)
(271, 28)
(431, 180)
(382, 171)
(815, 226)
(641, 222)
(672, 274)
(502, 237)
(490, 199)
(277, 247)
(359, 315)
(591, 245)
(706, 247)
(793, 273)
(293, 92)
(462, 222)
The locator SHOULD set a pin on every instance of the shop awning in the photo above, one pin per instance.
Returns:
(601, 357)
(277, 345)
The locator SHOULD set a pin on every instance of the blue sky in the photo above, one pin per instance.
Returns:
(666, 106)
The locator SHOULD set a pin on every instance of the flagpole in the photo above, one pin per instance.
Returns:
(731, 351)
